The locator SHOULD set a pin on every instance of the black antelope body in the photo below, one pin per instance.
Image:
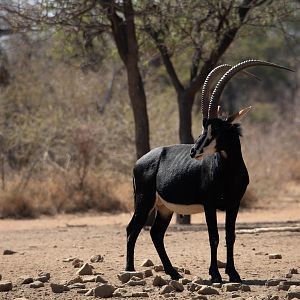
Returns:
(188, 179)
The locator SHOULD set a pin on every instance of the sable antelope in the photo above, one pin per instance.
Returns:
(187, 179)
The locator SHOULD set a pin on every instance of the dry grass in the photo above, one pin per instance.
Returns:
(60, 193)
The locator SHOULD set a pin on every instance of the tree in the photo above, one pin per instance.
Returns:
(92, 19)
(205, 30)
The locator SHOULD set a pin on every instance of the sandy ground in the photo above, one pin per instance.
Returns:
(42, 244)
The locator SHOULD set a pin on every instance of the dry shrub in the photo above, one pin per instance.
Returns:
(16, 205)
(56, 192)
(271, 153)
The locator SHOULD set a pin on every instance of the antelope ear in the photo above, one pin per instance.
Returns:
(239, 115)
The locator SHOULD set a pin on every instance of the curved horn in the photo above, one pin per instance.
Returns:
(210, 81)
(214, 101)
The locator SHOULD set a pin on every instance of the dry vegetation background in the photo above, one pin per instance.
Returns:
(65, 148)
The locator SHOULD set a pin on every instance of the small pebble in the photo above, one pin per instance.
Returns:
(147, 263)
(231, 287)
(9, 252)
(177, 285)
(159, 281)
(184, 281)
(58, 288)
(158, 268)
(140, 294)
(104, 291)
(166, 289)
(208, 290)
(86, 269)
(77, 263)
(275, 256)
(148, 273)
(5, 286)
(36, 284)
(126, 275)
(97, 258)
(25, 279)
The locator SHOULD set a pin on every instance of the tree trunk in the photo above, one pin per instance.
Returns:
(139, 108)
(185, 105)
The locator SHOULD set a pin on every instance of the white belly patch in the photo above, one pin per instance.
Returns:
(179, 208)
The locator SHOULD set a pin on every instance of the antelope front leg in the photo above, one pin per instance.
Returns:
(230, 239)
(211, 221)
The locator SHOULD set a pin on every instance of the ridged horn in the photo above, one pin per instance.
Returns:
(210, 81)
(214, 101)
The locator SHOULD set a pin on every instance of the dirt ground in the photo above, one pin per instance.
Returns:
(42, 244)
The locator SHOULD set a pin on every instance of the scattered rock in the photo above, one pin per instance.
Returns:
(77, 263)
(293, 292)
(126, 276)
(283, 285)
(245, 288)
(159, 281)
(187, 271)
(184, 281)
(76, 279)
(235, 296)
(288, 275)
(25, 279)
(5, 286)
(140, 294)
(104, 291)
(43, 277)
(275, 256)
(77, 286)
(82, 291)
(221, 264)
(100, 279)
(36, 284)
(177, 285)
(273, 282)
(199, 297)
(97, 258)
(231, 287)
(148, 273)
(166, 289)
(293, 271)
(120, 292)
(89, 278)
(9, 252)
(90, 293)
(147, 263)
(198, 280)
(192, 287)
(134, 281)
(58, 288)
(158, 268)
(208, 290)
(86, 269)
(217, 285)
(68, 259)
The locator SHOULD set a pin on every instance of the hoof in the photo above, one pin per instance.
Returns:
(174, 275)
(216, 280)
(235, 279)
